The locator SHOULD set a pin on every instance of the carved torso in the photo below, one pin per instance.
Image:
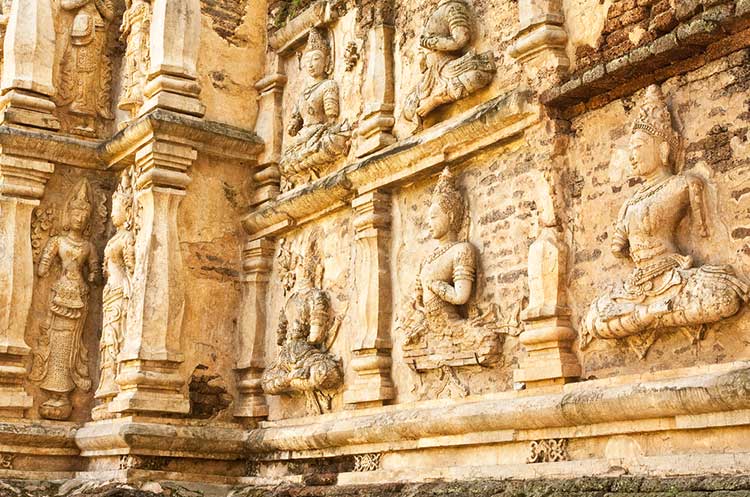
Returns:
(119, 260)
(455, 263)
(71, 290)
(319, 103)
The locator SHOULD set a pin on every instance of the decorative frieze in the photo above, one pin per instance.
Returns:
(367, 462)
(552, 450)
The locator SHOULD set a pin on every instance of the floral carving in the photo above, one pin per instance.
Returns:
(41, 226)
(666, 288)
(135, 33)
(450, 69)
(318, 139)
(305, 334)
(61, 360)
(366, 462)
(552, 450)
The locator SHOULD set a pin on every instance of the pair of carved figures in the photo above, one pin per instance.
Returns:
(61, 358)
(305, 334)
(665, 289)
(450, 70)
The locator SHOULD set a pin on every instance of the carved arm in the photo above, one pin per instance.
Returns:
(281, 330)
(331, 103)
(93, 261)
(48, 255)
(318, 318)
(295, 123)
(459, 25)
(456, 294)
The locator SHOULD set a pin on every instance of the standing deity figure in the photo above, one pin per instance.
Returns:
(84, 77)
(305, 334)
(317, 138)
(450, 69)
(135, 33)
(61, 361)
(119, 263)
(666, 288)
(436, 333)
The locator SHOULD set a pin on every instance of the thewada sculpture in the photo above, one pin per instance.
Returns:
(667, 288)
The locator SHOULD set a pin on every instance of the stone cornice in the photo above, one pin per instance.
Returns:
(52, 147)
(212, 138)
(502, 119)
(318, 14)
(474, 420)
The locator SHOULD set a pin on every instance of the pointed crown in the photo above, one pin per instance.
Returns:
(81, 198)
(316, 40)
(449, 198)
(654, 117)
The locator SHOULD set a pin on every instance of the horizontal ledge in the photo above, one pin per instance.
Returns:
(576, 404)
(501, 119)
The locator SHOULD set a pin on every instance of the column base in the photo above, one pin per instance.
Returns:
(542, 46)
(28, 109)
(251, 402)
(549, 359)
(172, 93)
(13, 397)
(373, 386)
(150, 388)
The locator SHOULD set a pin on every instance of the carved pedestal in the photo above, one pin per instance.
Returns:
(270, 128)
(22, 182)
(541, 38)
(371, 351)
(149, 376)
(257, 259)
(548, 335)
(29, 50)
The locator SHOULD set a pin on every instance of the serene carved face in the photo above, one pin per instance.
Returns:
(439, 221)
(315, 63)
(78, 219)
(647, 154)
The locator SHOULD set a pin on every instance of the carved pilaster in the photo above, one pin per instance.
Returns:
(548, 335)
(22, 183)
(29, 50)
(257, 260)
(270, 129)
(174, 43)
(374, 131)
(371, 350)
(541, 38)
(149, 376)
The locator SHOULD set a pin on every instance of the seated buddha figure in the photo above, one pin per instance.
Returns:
(318, 139)
(666, 287)
(450, 70)
(305, 334)
(436, 333)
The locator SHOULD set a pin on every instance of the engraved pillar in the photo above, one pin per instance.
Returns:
(174, 43)
(374, 131)
(29, 51)
(270, 129)
(371, 350)
(541, 38)
(257, 260)
(548, 335)
(22, 183)
(149, 377)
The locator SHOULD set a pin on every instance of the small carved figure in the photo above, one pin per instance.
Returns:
(305, 334)
(436, 334)
(135, 33)
(61, 360)
(84, 77)
(666, 288)
(119, 263)
(318, 139)
(450, 69)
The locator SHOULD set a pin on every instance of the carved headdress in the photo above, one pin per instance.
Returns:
(654, 117)
(449, 198)
(124, 195)
(79, 200)
(316, 40)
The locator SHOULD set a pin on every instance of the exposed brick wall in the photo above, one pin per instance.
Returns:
(227, 15)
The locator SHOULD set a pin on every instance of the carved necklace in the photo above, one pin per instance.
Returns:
(312, 88)
(649, 191)
(435, 255)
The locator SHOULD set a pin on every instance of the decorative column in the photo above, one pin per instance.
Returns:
(371, 350)
(270, 128)
(257, 260)
(29, 52)
(374, 131)
(548, 335)
(22, 183)
(149, 377)
(541, 38)
(174, 44)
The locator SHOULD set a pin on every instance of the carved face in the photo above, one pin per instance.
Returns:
(647, 153)
(439, 221)
(315, 63)
(79, 218)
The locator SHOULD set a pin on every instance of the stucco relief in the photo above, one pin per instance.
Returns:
(306, 331)
(667, 289)
(317, 138)
(450, 69)
(83, 76)
(135, 33)
(61, 359)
